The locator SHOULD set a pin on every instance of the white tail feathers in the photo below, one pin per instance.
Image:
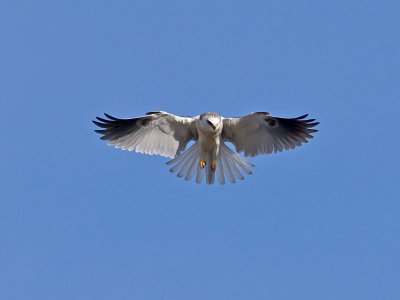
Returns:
(229, 165)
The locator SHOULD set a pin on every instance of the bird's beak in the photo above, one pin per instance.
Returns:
(212, 124)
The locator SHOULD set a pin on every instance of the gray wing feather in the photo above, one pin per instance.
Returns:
(156, 133)
(260, 133)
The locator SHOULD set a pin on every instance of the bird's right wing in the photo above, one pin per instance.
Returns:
(156, 133)
(260, 133)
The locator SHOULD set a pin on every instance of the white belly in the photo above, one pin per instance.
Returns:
(209, 144)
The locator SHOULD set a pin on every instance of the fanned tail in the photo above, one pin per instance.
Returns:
(210, 174)
(229, 165)
(187, 164)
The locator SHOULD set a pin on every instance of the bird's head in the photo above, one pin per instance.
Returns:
(210, 122)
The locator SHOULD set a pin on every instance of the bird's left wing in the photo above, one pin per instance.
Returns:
(260, 133)
(156, 133)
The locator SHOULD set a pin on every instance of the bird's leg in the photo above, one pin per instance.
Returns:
(214, 165)
(202, 162)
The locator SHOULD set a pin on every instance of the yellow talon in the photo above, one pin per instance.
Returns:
(202, 163)
(214, 165)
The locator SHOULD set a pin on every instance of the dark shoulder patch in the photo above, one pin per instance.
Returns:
(144, 121)
(271, 122)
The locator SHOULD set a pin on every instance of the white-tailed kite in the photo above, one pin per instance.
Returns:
(167, 135)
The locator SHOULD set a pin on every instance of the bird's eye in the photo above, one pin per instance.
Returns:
(209, 122)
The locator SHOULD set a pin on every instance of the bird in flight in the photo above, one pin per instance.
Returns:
(168, 135)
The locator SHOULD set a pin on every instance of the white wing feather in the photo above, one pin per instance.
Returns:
(156, 133)
(260, 133)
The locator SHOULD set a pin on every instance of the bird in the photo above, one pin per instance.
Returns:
(165, 134)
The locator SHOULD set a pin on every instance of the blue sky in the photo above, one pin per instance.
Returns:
(81, 220)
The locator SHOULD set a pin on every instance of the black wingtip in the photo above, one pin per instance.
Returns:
(110, 117)
(97, 123)
(102, 125)
(103, 120)
(302, 117)
(101, 131)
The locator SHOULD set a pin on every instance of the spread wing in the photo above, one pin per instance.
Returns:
(260, 133)
(156, 133)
